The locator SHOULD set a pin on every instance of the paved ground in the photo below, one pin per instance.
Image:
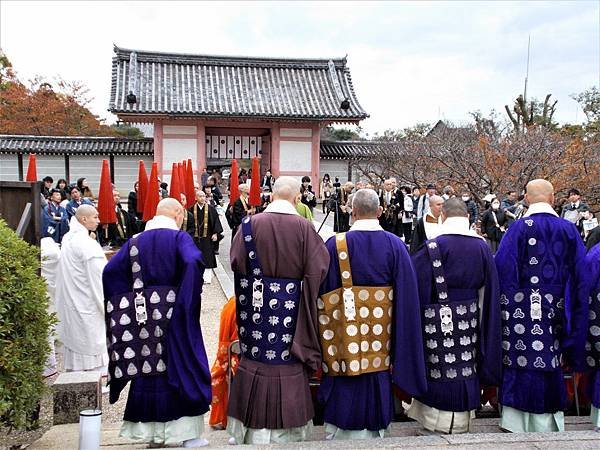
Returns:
(486, 435)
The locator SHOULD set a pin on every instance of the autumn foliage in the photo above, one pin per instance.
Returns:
(481, 162)
(43, 109)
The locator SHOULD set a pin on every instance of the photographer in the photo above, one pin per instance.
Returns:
(308, 195)
(340, 207)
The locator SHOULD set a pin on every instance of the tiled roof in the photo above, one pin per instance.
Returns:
(76, 145)
(353, 149)
(232, 87)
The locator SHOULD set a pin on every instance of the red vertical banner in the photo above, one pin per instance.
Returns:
(152, 196)
(234, 191)
(106, 203)
(255, 184)
(142, 187)
(32, 169)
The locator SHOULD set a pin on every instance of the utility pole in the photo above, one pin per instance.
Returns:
(527, 71)
(526, 79)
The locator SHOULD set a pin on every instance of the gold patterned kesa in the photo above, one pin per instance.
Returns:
(355, 324)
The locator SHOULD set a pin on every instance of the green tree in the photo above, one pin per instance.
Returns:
(127, 131)
(589, 100)
(330, 133)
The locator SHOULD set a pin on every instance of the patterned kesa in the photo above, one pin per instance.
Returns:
(137, 324)
(355, 323)
(592, 345)
(532, 318)
(593, 340)
(266, 308)
(450, 329)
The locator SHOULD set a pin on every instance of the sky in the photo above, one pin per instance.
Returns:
(411, 62)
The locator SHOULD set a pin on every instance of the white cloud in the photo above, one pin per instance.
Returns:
(410, 62)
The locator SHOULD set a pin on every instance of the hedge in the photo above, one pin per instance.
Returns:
(24, 327)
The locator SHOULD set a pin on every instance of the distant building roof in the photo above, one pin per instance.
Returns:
(184, 85)
(76, 145)
(353, 149)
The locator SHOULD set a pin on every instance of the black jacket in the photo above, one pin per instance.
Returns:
(488, 224)
(118, 233)
(418, 236)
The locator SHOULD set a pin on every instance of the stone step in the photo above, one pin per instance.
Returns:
(486, 435)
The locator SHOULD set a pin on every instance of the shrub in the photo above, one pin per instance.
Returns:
(24, 328)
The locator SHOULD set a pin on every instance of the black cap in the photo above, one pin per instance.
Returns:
(430, 186)
(574, 191)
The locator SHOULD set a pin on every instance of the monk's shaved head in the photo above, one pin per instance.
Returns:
(168, 207)
(85, 211)
(171, 208)
(540, 191)
(286, 188)
(87, 216)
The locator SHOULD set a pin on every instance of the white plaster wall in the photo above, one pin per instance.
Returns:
(89, 167)
(48, 165)
(176, 150)
(9, 167)
(295, 156)
(295, 132)
(335, 168)
(179, 129)
(126, 172)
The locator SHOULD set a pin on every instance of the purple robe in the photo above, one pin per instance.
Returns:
(168, 258)
(593, 266)
(377, 258)
(562, 267)
(278, 396)
(468, 266)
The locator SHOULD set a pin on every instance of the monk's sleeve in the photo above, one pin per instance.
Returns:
(237, 254)
(306, 345)
(408, 360)
(187, 366)
(577, 306)
(490, 325)
(507, 260)
(116, 279)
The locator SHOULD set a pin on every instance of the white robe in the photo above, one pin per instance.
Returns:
(50, 252)
(80, 300)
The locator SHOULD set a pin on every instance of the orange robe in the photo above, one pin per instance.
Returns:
(227, 334)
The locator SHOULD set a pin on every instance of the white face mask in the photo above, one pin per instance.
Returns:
(465, 198)
(495, 205)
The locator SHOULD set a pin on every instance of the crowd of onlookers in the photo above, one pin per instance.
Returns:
(414, 214)
(409, 212)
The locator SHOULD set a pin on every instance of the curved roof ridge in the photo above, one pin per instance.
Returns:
(148, 55)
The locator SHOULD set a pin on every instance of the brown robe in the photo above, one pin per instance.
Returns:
(278, 396)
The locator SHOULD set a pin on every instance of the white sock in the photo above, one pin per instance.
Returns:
(208, 276)
(193, 443)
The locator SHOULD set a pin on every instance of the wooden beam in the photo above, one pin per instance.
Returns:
(67, 168)
(20, 165)
(111, 163)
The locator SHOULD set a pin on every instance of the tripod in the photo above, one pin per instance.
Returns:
(332, 201)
